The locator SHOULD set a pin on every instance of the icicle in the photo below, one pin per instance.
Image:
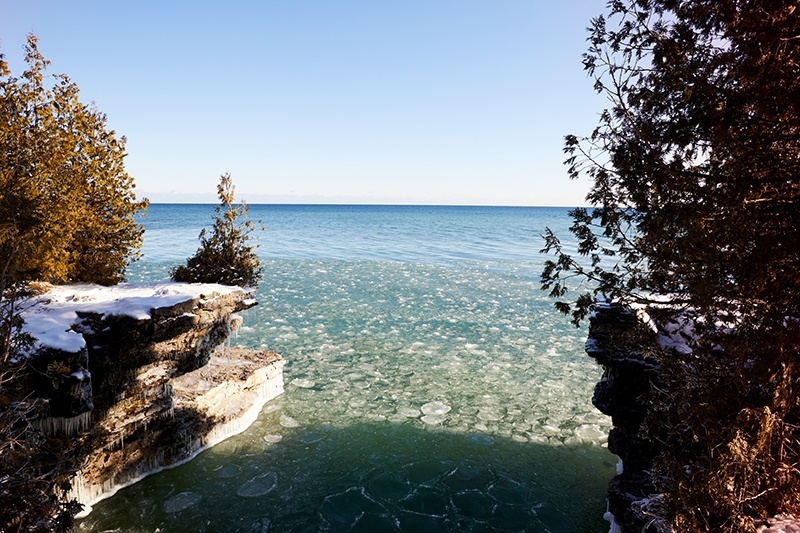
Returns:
(611, 519)
(264, 392)
(228, 352)
(234, 323)
(69, 426)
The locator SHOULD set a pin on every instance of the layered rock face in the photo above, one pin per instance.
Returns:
(145, 390)
(616, 341)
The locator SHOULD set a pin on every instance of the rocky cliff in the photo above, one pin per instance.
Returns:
(133, 375)
(618, 340)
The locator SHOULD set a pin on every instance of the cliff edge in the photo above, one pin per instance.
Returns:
(617, 341)
(137, 378)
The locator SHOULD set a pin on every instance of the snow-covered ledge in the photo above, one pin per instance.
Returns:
(129, 371)
(54, 318)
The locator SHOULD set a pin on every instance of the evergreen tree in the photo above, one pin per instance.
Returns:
(695, 166)
(696, 194)
(226, 256)
(67, 208)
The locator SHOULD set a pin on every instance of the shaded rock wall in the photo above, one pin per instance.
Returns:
(616, 341)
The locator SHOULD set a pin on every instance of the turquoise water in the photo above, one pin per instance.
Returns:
(430, 385)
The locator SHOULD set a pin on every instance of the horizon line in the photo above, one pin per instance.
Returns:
(367, 204)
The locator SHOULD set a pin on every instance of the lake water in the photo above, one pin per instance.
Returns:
(430, 384)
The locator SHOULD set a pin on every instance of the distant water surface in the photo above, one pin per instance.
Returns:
(430, 385)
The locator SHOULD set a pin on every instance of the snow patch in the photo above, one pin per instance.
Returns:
(52, 316)
(783, 523)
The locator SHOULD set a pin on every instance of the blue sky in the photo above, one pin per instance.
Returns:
(431, 102)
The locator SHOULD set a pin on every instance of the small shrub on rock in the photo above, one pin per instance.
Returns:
(226, 256)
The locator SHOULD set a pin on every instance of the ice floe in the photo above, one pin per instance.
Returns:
(258, 486)
(289, 422)
(435, 408)
(182, 501)
(303, 383)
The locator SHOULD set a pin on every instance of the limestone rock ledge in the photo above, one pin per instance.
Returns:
(134, 376)
(209, 404)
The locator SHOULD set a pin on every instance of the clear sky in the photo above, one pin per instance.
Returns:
(330, 101)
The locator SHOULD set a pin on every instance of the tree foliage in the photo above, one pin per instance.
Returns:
(67, 208)
(226, 256)
(695, 165)
(696, 194)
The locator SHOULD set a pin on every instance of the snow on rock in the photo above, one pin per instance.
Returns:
(783, 523)
(51, 317)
